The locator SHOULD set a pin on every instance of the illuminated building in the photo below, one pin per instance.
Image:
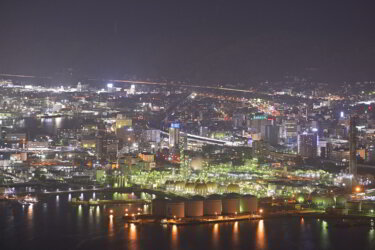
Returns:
(89, 143)
(174, 135)
(308, 145)
(110, 87)
(238, 120)
(122, 122)
(15, 140)
(290, 131)
(152, 135)
(257, 121)
(203, 131)
(271, 134)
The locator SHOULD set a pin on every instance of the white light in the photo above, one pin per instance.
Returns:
(110, 85)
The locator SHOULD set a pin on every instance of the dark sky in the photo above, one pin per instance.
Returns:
(213, 41)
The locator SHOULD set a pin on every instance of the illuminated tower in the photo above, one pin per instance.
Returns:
(353, 148)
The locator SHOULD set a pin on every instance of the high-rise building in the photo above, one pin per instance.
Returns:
(308, 145)
(271, 134)
(255, 123)
(238, 120)
(79, 87)
(353, 147)
(174, 135)
(203, 131)
(290, 131)
(152, 135)
(123, 127)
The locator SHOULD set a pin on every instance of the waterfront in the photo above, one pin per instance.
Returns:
(55, 224)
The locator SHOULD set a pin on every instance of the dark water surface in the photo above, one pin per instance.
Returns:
(54, 224)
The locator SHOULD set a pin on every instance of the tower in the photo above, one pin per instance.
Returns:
(353, 147)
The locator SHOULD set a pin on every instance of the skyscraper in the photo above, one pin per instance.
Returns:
(353, 147)
(271, 134)
(174, 135)
(308, 145)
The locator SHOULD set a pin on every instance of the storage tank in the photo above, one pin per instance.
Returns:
(169, 185)
(176, 208)
(200, 188)
(179, 185)
(189, 187)
(212, 205)
(221, 189)
(211, 186)
(159, 207)
(231, 204)
(194, 207)
(248, 204)
(233, 188)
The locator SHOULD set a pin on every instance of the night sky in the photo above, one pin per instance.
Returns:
(203, 41)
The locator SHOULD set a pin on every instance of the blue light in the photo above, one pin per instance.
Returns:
(175, 125)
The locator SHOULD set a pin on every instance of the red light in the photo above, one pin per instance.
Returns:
(369, 108)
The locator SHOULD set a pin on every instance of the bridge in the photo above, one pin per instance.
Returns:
(208, 140)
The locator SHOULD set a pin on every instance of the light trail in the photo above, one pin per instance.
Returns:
(25, 76)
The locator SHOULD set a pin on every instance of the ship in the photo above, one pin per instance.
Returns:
(28, 200)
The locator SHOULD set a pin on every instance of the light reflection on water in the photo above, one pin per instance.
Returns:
(260, 236)
(174, 236)
(30, 213)
(111, 227)
(85, 221)
(324, 235)
(235, 233)
(215, 235)
(133, 232)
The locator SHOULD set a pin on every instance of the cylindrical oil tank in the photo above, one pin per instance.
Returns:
(194, 207)
(169, 185)
(233, 188)
(248, 204)
(176, 208)
(211, 186)
(189, 187)
(179, 185)
(159, 207)
(200, 188)
(212, 205)
(231, 204)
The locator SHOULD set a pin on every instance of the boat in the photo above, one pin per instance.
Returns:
(28, 200)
